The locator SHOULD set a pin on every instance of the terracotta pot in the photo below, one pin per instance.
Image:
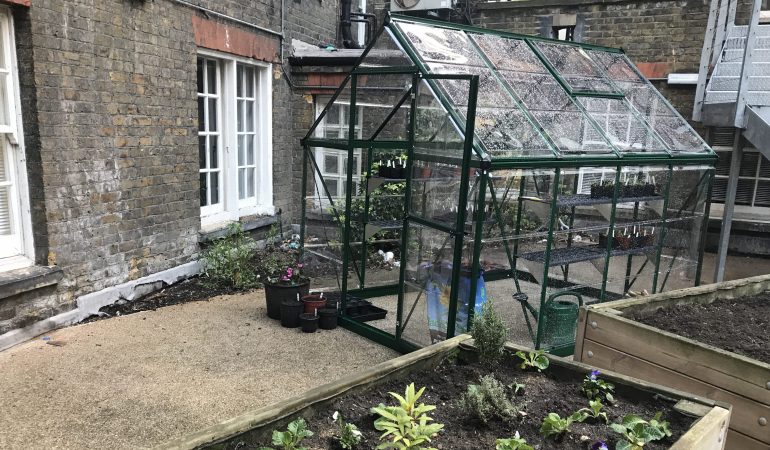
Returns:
(276, 293)
(313, 302)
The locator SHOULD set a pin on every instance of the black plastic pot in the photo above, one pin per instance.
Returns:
(275, 293)
(309, 322)
(290, 311)
(327, 319)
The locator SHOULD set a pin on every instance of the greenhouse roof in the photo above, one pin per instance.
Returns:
(537, 98)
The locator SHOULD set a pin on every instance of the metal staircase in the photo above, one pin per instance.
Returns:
(734, 91)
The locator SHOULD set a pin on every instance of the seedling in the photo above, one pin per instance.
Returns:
(406, 424)
(349, 435)
(533, 360)
(290, 439)
(554, 425)
(637, 432)
(595, 388)
(514, 443)
(595, 411)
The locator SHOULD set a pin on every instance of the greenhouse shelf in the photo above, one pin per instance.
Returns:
(571, 255)
(587, 200)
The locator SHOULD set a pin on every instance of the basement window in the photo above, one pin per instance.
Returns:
(564, 33)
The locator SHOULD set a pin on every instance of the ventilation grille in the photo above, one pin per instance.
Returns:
(722, 136)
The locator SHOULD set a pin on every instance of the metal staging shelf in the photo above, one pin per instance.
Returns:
(587, 200)
(575, 254)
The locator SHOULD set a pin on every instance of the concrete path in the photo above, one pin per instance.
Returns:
(139, 380)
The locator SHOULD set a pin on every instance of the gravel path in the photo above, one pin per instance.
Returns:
(137, 381)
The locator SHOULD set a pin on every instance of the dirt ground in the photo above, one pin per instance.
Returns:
(139, 380)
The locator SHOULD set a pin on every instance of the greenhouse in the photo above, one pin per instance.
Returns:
(456, 166)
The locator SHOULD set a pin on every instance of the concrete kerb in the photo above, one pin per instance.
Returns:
(89, 304)
(261, 417)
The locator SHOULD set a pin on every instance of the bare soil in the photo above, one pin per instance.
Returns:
(543, 393)
(736, 325)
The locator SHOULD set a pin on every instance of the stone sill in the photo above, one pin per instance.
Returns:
(248, 223)
(18, 281)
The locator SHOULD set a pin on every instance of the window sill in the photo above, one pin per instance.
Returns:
(218, 230)
(14, 282)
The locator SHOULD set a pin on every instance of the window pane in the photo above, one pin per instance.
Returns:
(239, 88)
(331, 184)
(250, 115)
(212, 125)
(204, 189)
(248, 80)
(250, 182)
(202, 151)
(211, 76)
(239, 109)
(200, 75)
(241, 183)
(333, 115)
(250, 153)
(331, 164)
(214, 152)
(214, 187)
(241, 150)
(201, 113)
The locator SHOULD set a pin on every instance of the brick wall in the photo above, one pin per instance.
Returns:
(109, 105)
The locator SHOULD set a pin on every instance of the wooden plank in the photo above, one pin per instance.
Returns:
(580, 334)
(746, 411)
(708, 433)
(730, 371)
(739, 441)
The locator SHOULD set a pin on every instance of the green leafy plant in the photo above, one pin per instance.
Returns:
(290, 439)
(489, 334)
(596, 388)
(594, 411)
(516, 387)
(349, 435)
(554, 425)
(228, 261)
(406, 425)
(533, 360)
(487, 399)
(514, 443)
(637, 432)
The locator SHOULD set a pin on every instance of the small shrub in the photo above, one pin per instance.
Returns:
(406, 424)
(637, 432)
(514, 443)
(595, 388)
(487, 400)
(290, 439)
(533, 360)
(228, 261)
(349, 435)
(489, 334)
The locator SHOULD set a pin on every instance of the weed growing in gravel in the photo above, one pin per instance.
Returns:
(637, 432)
(533, 360)
(290, 439)
(406, 424)
(227, 262)
(596, 388)
(514, 443)
(488, 399)
(349, 435)
(489, 334)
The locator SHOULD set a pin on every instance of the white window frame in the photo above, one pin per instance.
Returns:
(319, 152)
(16, 250)
(262, 204)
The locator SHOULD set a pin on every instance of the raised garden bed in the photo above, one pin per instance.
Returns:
(446, 369)
(712, 341)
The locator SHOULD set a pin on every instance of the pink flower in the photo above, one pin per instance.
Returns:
(299, 266)
(289, 272)
(284, 278)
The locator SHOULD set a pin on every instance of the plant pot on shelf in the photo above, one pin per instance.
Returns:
(327, 319)
(309, 322)
(331, 303)
(313, 302)
(290, 311)
(275, 293)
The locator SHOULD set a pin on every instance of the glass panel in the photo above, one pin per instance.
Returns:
(441, 44)
(331, 185)
(250, 182)
(201, 113)
(214, 151)
(250, 115)
(509, 54)
(333, 115)
(241, 183)
(538, 92)
(214, 187)
(435, 131)
(248, 80)
(506, 133)
(5, 211)
(250, 153)
(204, 189)
(241, 150)
(212, 118)
(239, 83)
(435, 189)
(239, 114)
(331, 163)
(200, 75)
(201, 152)
(575, 67)
(386, 52)
(376, 97)
(572, 132)
(615, 65)
(491, 94)
(620, 125)
(211, 76)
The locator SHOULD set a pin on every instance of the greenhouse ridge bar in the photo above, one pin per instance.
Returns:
(481, 165)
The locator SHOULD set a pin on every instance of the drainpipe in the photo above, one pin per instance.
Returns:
(345, 24)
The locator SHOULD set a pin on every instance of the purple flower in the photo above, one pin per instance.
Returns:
(594, 374)
(599, 446)
(299, 266)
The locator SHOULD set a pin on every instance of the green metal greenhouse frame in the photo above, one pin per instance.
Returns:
(478, 165)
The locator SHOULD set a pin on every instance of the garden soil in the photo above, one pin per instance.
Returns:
(741, 325)
(541, 395)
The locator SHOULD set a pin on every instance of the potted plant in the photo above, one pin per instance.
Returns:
(285, 286)
(313, 302)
